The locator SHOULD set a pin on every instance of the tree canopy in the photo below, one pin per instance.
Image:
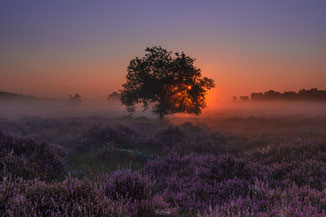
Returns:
(303, 95)
(166, 82)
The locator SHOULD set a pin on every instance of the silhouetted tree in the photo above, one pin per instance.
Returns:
(5, 96)
(74, 99)
(244, 98)
(114, 97)
(169, 83)
(290, 95)
(257, 96)
(306, 95)
(272, 95)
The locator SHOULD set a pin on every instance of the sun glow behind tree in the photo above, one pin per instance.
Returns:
(165, 82)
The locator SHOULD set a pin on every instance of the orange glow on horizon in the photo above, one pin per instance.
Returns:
(235, 72)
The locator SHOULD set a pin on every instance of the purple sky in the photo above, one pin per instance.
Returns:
(59, 47)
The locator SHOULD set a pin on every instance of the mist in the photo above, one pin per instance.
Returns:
(272, 108)
(114, 109)
(14, 110)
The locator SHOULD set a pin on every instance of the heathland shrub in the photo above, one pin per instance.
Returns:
(130, 195)
(194, 182)
(302, 172)
(265, 201)
(127, 184)
(188, 138)
(29, 158)
(199, 172)
(290, 150)
(99, 135)
(135, 191)
(71, 197)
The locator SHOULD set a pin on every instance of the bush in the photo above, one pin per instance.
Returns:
(188, 138)
(135, 191)
(194, 182)
(126, 184)
(28, 158)
(69, 198)
(265, 201)
(303, 173)
(198, 173)
(98, 136)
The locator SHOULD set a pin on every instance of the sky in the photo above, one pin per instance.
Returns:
(56, 48)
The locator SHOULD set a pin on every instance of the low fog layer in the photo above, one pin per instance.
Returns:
(60, 109)
(267, 108)
(114, 109)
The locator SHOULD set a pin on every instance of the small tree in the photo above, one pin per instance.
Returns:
(114, 97)
(168, 83)
(74, 100)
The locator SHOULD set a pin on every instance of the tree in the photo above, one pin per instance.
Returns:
(74, 100)
(166, 82)
(244, 98)
(114, 97)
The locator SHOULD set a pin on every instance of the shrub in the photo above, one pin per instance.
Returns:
(310, 173)
(194, 182)
(28, 158)
(188, 138)
(265, 201)
(98, 136)
(126, 184)
(135, 191)
(69, 198)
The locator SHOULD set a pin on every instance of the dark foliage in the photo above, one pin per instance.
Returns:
(169, 83)
(307, 95)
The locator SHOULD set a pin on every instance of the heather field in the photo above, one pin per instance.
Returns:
(217, 166)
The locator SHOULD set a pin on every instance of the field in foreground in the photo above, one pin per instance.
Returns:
(218, 166)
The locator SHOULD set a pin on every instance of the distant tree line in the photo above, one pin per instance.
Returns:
(15, 97)
(303, 95)
(5, 96)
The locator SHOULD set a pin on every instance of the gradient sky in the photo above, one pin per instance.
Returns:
(55, 48)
